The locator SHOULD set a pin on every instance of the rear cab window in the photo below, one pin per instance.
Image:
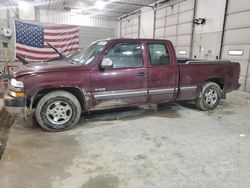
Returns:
(158, 54)
(126, 55)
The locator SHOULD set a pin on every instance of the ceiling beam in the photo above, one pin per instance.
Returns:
(131, 4)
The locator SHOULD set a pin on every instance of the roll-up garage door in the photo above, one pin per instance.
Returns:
(236, 41)
(130, 26)
(174, 21)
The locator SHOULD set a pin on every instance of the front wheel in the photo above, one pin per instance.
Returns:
(58, 111)
(209, 97)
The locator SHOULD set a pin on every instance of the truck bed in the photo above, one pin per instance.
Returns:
(193, 71)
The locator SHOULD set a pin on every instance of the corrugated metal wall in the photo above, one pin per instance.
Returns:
(60, 17)
(10, 50)
(237, 38)
(92, 28)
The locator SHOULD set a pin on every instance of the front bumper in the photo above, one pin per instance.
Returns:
(15, 105)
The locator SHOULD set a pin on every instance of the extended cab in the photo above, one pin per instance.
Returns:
(116, 73)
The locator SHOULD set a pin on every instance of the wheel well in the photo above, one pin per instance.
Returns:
(218, 81)
(74, 91)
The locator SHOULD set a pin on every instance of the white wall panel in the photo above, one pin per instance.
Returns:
(147, 23)
(186, 5)
(161, 13)
(238, 20)
(183, 41)
(3, 13)
(160, 22)
(237, 36)
(173, 9)
(186, 16)
(159, 33)
(184, 29)
(172, 20)
(170, 31)
(130, 26)
(238, 6)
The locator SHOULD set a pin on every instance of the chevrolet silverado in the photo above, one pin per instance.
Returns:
(117, 73)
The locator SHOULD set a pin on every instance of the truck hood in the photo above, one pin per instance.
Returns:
(35, 68)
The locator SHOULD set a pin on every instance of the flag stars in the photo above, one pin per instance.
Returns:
(30, 35)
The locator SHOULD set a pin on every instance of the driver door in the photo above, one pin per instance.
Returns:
(123, 84)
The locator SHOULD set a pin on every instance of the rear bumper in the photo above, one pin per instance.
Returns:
(15, 106)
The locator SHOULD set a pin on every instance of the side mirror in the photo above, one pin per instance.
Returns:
(106, 63)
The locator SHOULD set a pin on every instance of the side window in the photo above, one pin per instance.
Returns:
(126, 55)
(158, 54)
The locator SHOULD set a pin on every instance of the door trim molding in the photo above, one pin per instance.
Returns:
(124, 94)
(189, 88)
(112, 95)
(161, 91)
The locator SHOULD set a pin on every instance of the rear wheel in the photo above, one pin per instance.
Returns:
(58, 111)
(209, 97)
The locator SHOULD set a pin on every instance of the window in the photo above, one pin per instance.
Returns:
(126, 55)
(235, 52)
(87, 56)
(158, 54)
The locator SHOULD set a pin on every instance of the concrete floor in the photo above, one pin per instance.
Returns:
(176, 146)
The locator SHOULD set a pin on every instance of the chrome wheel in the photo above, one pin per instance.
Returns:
(59, 112)
(211, 97)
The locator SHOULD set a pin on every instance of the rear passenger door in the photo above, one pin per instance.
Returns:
(162, 73)
(124, 84)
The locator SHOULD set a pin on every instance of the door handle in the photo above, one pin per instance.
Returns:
(141, 75)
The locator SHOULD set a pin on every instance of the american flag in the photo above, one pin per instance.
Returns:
(31, 40)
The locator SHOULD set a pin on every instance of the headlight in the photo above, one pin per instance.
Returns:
(15, 83)
(16, 88)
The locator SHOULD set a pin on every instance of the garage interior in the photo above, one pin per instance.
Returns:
(167, 145)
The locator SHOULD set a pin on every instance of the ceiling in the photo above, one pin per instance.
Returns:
(113, 8)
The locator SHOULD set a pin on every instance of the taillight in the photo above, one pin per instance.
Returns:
(239, 71)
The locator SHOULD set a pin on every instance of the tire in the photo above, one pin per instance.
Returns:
(209, 97)
(58, 111)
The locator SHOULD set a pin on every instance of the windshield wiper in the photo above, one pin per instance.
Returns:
(73, 61)
(61, 56)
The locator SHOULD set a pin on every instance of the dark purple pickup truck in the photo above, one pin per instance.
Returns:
(117, 73)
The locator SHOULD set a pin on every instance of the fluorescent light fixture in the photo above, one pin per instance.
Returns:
(182, 52)
(235, 52)
(100, 4)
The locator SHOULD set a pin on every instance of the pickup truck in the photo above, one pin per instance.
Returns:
(116, 73)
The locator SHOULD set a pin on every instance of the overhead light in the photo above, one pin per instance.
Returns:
(100, 4)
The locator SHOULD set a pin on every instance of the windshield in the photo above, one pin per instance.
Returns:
(88, 55)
